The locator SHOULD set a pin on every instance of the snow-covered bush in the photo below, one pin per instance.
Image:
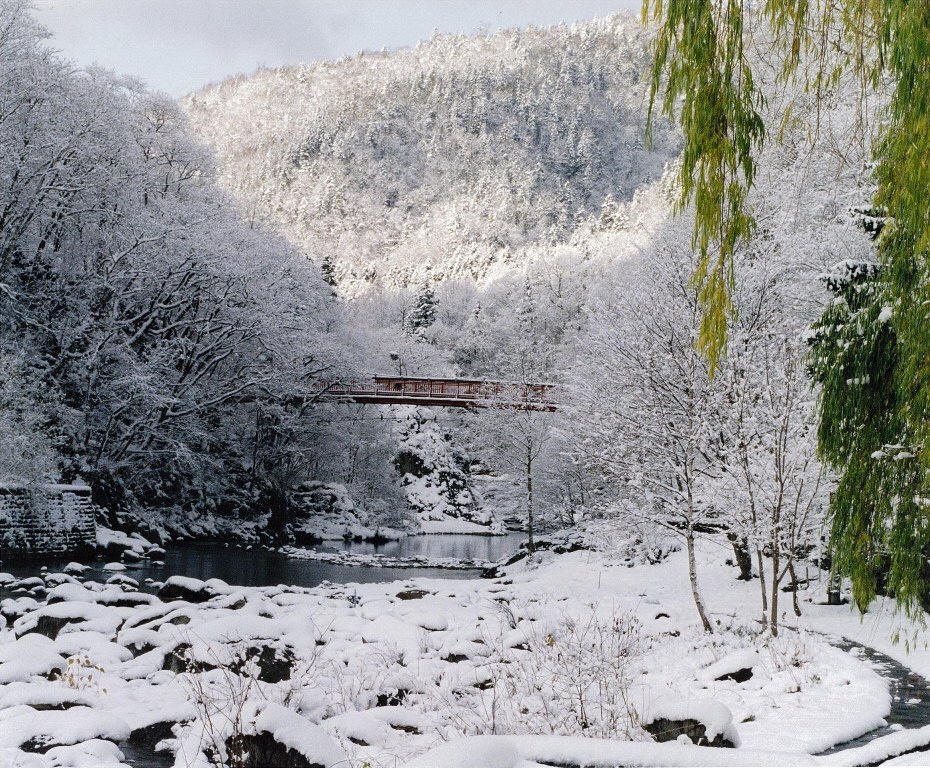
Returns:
(325, 511)
(229, 685)
(571, 676)
(629, 540)
(80, 673)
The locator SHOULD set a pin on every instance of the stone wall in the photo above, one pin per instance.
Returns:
(44, 521)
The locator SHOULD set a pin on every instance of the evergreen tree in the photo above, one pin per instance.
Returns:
(328, 271)
(423, 314)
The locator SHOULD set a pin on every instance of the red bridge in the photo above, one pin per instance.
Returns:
(453, 393)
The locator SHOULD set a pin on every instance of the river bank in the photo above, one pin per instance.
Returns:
(384, 672)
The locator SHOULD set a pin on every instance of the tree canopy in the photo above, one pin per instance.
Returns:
(872, 347)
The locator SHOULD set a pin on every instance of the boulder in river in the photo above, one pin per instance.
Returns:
(185, 588)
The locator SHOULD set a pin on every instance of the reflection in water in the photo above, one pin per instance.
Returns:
(461, 547)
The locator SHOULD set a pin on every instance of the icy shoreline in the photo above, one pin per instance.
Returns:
(351, 559)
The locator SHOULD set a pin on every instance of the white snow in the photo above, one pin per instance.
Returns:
(531, 751)
(19, 724)
(186, 582)
(352, 559)
(294, 732)
(135, 541)
(456, 658)
(28, 656)
(732, 662)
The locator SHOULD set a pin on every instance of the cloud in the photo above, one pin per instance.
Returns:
(180, 45)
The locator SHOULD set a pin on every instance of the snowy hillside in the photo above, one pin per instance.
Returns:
(453, 154)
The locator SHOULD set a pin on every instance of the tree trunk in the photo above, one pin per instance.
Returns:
(765, 600)
(742, 556)
(695, 590)
(530, 544)
(794, 588)
(773, 614)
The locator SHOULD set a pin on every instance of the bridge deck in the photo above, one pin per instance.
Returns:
(448, 393)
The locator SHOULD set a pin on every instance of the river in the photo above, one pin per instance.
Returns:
(259, 567)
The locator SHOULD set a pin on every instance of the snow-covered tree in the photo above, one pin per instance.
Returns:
(423, 312)
(772, 484)
(26, 452)
(876, 388)
(644, 405)
(146, 318)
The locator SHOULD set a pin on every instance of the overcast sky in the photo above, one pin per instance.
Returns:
(180, 45)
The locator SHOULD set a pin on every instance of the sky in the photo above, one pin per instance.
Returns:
(178, 46)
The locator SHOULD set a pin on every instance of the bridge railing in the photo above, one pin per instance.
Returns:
(443, 391)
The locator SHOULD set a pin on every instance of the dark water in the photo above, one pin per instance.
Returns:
(258, 567)
(910, 695)
(143, 758)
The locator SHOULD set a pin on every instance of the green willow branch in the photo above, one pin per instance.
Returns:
(876, 382)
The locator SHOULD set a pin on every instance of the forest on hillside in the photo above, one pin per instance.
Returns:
(488, 207)
(443, 160)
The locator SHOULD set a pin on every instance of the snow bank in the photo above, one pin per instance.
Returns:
(883, 748)
(526, 751)
(475, 752)
(353, 560)
(452, 525)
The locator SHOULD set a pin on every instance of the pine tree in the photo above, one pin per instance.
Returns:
(328, 271)
(423, 314)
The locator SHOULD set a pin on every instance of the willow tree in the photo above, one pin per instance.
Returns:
(875, 402)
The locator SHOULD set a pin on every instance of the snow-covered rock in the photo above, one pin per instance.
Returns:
(703, 721)
(185, 588)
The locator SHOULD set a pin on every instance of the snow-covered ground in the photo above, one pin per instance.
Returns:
(567, 646)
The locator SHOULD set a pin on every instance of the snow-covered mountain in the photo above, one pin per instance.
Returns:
(440, 160)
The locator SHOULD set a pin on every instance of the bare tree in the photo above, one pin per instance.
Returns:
(644, 402)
